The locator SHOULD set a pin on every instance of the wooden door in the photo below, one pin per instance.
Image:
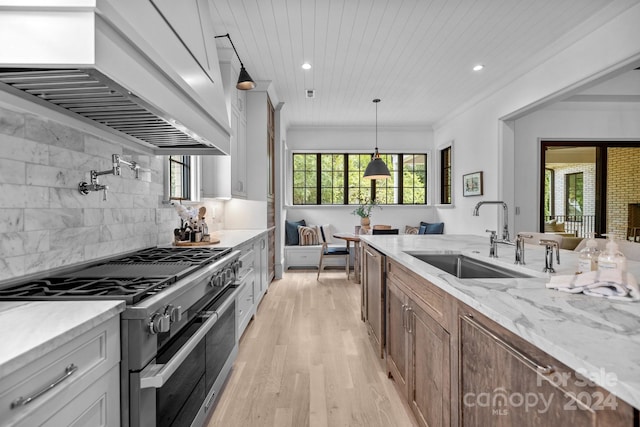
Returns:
(501, 386)
(397, 339)
(430, 380)
(271, 188)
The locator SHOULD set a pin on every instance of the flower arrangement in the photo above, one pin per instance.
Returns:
(364, 208)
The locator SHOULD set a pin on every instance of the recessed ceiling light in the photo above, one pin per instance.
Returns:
(478, 67)
(306, 66)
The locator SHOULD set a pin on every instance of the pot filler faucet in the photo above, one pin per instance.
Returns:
(85, 188)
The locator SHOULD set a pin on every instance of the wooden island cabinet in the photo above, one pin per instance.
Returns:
(418, 345)
(455, 367)
(506, 381)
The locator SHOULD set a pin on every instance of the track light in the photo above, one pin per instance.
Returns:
(245, 82)
(377, 169)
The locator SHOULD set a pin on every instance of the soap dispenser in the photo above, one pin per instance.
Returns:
(611, 257)
(588, 258)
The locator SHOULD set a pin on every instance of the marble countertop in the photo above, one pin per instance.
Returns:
(31, 329)
(594, 336)
(234, 238)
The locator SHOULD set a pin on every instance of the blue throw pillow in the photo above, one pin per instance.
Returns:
(291, 236)
(431, 228)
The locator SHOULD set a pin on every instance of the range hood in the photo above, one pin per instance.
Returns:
(118, 81)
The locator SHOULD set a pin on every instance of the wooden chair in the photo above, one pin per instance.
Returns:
(385, 231)
(333, 251)
(381, 227)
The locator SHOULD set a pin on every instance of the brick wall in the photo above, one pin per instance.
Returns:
(623, 174)
(589, 186)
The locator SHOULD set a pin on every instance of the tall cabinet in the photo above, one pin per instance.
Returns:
(260, 158)
(226, 176)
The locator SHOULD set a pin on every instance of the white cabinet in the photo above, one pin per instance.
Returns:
(76, 384)
(226, 176)
(263, 271)
(238, 154)
(246, 301)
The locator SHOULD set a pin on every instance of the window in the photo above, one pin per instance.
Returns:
(573, 202)
(548, 192)
(337, 179)
(445, 176)
(179, 177)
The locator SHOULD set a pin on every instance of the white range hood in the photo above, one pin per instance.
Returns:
(119, 65)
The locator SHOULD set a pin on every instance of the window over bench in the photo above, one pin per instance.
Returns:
(337, 179)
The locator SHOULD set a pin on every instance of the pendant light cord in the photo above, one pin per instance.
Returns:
(376, 101)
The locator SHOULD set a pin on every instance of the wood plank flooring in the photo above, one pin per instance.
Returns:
(306, 360)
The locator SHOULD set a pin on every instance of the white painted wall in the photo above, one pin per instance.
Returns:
(390, 140)
(563, 121)
(482, 142)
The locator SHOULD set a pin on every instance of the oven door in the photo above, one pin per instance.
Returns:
(179, 386)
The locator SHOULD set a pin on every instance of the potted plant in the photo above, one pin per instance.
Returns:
(364, 210)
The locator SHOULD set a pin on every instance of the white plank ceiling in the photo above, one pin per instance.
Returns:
(416, 55)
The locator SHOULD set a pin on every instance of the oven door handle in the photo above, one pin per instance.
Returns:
(156, 375)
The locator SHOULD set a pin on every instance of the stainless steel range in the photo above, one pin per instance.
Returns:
(178, 330)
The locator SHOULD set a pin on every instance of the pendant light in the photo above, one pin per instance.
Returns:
(245, 82)
(377, 169)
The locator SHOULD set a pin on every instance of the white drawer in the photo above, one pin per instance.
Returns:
(92, 354)
(247, 261)
(246, 296)
(245, 304)
(96, 406)
(304, 258)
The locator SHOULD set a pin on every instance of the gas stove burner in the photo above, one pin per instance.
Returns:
(131, 277)
(185, 256)
(131, 290)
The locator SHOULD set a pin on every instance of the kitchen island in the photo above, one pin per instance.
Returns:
(595, 337)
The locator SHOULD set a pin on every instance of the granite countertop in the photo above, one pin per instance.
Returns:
(594, 336)
(29, 330)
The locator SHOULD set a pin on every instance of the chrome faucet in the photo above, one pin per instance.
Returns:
(548, 255)
(493, 244)
(520, 247)
(505, 228)
(85, 188)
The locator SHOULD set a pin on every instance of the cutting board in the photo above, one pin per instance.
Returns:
(212, 241)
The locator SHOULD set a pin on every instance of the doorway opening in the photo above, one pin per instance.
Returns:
(590, 187)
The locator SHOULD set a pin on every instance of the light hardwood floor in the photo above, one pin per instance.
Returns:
(306, 360)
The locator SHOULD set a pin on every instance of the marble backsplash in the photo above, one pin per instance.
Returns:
(46, 223)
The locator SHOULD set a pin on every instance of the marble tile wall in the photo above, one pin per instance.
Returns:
(46, 223)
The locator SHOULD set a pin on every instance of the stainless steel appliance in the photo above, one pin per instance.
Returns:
(178, 330)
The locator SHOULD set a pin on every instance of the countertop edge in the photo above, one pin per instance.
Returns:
(101, 311)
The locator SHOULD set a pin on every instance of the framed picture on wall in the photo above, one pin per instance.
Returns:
(472, 184)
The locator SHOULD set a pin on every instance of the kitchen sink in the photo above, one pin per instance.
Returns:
(465, 267)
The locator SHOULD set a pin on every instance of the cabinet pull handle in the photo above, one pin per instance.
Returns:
(21, 401)
(404, 316)
(544, 370)
(409, 317)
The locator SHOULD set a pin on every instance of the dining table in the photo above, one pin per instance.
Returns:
(349, 238)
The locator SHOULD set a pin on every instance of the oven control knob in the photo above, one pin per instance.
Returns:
(159, 323)
(173, 312)
(217, 280)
